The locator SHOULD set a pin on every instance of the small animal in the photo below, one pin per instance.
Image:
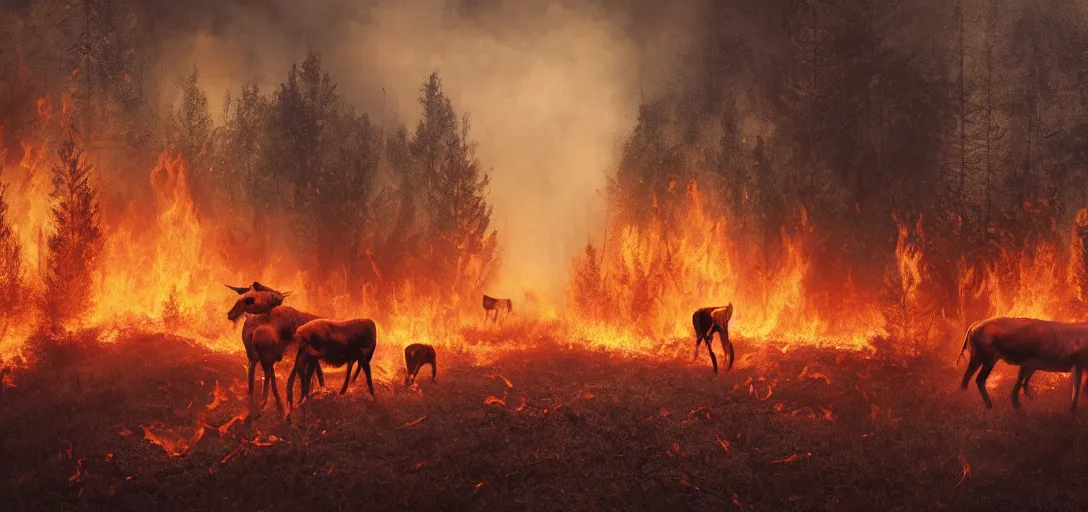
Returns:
(415, 356)
(335, 343)
(1032, 345)
(708, 321)
(493, 305)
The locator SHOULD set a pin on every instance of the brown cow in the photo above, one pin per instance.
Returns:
(268, 330)
(1029, 343)
(492, 304)
(708, 321)
(336, 343)
(415, 356)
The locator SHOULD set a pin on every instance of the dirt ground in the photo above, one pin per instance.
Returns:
(543, 428)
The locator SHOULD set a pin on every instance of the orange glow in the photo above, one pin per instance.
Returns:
(218, 397)
(654, 277)
(172, 442)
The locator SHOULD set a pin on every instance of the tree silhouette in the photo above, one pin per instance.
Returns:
(76, 241)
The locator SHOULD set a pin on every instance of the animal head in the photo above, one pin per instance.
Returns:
(255, 299)
(722, 316)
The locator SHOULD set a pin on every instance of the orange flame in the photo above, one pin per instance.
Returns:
(174, 444)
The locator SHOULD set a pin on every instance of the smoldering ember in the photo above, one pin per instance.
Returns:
(543, 255)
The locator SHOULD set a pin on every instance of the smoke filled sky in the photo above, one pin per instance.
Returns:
(534, 76)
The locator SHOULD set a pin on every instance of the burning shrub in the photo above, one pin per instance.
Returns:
(908, 311)
(77, 237)
(1078, 257)
(586, 293)
(171, 310)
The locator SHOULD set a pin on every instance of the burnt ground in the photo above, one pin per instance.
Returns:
(810, 429)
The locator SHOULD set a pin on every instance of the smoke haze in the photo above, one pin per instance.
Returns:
(533, 76)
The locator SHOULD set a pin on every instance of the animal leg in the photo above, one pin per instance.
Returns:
(307, 379)
(713, 360)
(434, 370)
(369, 383)
(347, 378)
(296, 371)
(972, 367)
(1016, 387)
(981, 382)
(252, 370)
(732, 356)
(1077, 373)
(275, 389)
(698, 340)
(264, 394)
(356, 376)
(320, 374)
(1025, 388)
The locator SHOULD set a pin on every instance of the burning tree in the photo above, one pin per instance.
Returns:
(586, 292)
(1078, 257)
(464, 247)
(77, 237)
(11, 267)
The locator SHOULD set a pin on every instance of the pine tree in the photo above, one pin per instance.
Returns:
(465, 247)
(192, 120)
(75, 244)
(11, 264)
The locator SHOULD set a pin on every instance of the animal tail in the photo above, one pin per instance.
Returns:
(966, 339)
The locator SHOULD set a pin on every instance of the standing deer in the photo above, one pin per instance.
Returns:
(1029, 343)
(336, 343)
(493, 305)
(708, 321)
(268, 330)
(415, 356)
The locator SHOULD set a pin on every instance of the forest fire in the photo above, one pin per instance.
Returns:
(561, 195)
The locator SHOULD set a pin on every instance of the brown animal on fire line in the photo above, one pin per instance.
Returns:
(415, 356)
(1029, 343)
(335, 343)
(708, 321)
(493, 305)
(267, 332)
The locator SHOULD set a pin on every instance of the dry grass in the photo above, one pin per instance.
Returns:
(805, 430)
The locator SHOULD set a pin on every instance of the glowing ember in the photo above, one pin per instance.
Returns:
(80, 472)
(814, 375)
(413, 422)
(726, 445)
(793, 458)
(494, 400)
(173, 443)
(218, 397)
(966, 469)
(505, 380)
(224, 429)
(697, 413)
(417, 466)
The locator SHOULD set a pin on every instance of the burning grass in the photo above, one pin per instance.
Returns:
(127, 425)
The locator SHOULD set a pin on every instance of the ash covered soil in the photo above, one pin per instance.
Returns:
(543, 428)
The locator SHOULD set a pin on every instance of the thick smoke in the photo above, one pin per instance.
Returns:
(551, 89)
